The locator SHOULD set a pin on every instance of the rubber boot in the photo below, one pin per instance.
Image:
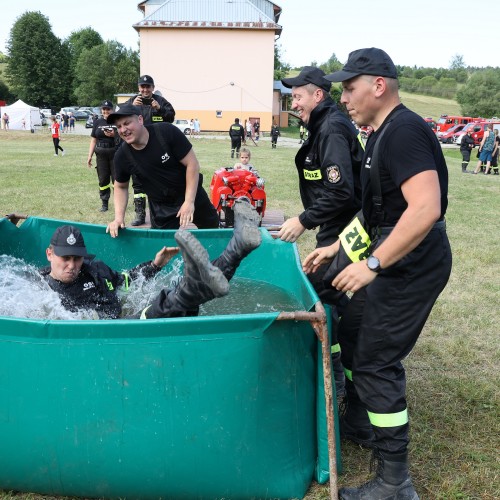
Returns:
(140, 212)
(391, 482)
(246, 238)
(232, 153)
(495, 170)
(104, 206)
(464, 167)
(354, 422)
(200, 282)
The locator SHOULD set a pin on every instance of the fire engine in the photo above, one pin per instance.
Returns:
(447, 121)
(230, 184)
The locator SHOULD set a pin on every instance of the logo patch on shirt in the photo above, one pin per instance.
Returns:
(165, 158)
(368, 162)
(89, 285)
(333, 174)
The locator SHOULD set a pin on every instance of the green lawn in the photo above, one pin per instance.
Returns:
(453, 373)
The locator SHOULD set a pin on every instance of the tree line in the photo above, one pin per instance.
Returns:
(477, 90)
(48, 72)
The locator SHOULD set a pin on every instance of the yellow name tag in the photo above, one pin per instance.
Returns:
(312, 175)
(157, 118)
(355, 241)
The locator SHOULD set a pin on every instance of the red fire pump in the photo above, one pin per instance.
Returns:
(230, 184)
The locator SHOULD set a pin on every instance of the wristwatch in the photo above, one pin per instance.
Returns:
(373, 264)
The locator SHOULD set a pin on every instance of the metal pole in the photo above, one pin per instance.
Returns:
(318, 322)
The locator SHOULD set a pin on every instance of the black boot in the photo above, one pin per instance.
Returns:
(338, 375)
(140, 212)
(354, 422)
(392, 481)
(464, 167)
(246, 237)
(232, 153)
(104, 206)
(200, 282)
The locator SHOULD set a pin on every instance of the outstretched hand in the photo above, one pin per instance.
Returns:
(164, 255)
(319, 256)
(114, 227)
(186, 213)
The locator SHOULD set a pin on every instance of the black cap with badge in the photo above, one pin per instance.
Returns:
(107, 104)
(68, 240)
(126, 109)
(371, 61)
(145, 80)
(309, 74)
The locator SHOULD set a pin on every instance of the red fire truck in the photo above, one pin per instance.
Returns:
(447, 121)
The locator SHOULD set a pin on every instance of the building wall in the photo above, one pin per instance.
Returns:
(203, 71)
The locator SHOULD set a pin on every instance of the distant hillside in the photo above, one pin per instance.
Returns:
(430, 106)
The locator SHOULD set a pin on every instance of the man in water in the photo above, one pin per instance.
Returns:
(85, 282)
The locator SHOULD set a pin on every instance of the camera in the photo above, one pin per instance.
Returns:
(146, 101)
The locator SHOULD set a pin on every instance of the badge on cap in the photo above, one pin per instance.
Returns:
(333, 174)
(71, 240)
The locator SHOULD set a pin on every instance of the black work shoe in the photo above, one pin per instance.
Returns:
(364, 436)
(104, 207)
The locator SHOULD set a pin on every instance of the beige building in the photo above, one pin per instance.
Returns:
(212, 59)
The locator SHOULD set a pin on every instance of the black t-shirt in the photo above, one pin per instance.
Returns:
(406, 149)
(160, 171)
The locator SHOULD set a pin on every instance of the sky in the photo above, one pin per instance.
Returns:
(427, 33)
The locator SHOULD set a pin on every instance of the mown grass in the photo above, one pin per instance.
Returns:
(453, 372)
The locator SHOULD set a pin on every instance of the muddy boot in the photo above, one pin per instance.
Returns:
(246, 238)
(104, 206)
(392, 481)
(140, 212)
(354, 422)
(200, 282)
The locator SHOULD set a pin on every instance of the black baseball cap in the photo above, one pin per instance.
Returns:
(126, 109)
(145, 80)
(369, 61)
(309, 74)
(107, 104)
(68, 240)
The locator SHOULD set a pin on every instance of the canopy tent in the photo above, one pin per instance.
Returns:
(20, 111)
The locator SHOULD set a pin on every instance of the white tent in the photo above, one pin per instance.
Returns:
(20, 111)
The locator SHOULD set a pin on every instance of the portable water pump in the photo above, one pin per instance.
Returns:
(230, 184)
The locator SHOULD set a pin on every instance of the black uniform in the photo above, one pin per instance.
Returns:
(237, 134)
(96, 285)
(166, 113)
(466, 146)
(384, 319)
(275, 133)
(159, 169)
(104, 151)
(328, 165)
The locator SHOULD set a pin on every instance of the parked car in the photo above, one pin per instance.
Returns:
(81, 115)
(448, 136)
(90, 120)
(183, 126)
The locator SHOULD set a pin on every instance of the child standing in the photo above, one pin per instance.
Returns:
(54, 128)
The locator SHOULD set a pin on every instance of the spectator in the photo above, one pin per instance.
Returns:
(237, 134)
(486, 150)
(466, 146)
(275, 133)
(54, 129)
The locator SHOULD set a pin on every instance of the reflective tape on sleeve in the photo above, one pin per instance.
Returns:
(126, 279)
(335, 348)
(348, 374)
(355, 241)
(312, 175)
(388, 419)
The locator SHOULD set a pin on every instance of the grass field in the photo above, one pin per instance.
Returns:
(453, 373)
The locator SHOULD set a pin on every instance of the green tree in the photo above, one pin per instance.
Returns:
(281, 68)
(480, 96)
(38, 63)
(333, 64)
(105, 70)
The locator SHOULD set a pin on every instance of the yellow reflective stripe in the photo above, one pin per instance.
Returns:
(388, 419)
(105, 187)
(335, 348)
(156, 119)
(140, 195)
(355, 241)
(360, 139)
(143, 314)
(312, 175)
(126, 277)
(348, 373)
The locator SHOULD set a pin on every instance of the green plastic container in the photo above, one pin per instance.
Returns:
(205, 407)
